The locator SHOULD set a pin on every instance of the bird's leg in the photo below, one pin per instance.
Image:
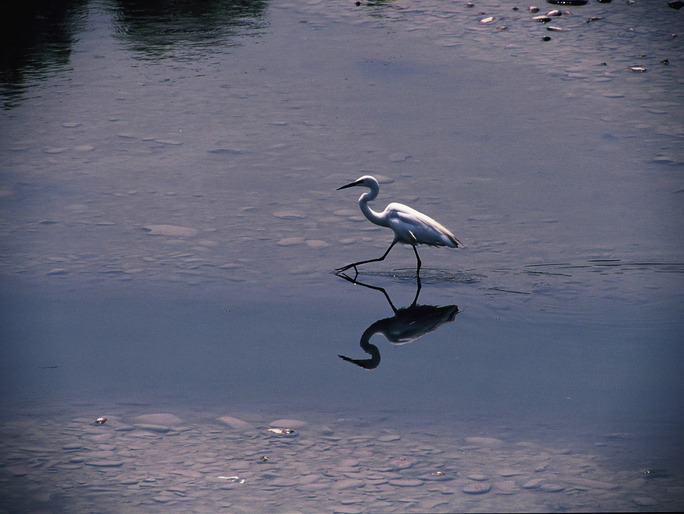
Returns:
(354, 264)
(417, 261)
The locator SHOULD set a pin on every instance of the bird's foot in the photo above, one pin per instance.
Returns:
(345, 268)
(341, 272)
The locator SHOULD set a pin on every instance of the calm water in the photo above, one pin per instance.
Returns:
(170, 225)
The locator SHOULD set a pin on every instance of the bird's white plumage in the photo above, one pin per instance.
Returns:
(409, 225)
(413, 227)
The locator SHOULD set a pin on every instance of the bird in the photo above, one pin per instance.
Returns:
(409, 225)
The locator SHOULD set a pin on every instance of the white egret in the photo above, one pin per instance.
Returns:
(410, 226)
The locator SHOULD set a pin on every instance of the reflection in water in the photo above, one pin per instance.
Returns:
(187, 27)
(407, 324)
(38, 37)
(35, 36)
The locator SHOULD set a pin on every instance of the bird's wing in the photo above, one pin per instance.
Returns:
(414, 227)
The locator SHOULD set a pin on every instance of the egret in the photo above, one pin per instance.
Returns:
(410, 226)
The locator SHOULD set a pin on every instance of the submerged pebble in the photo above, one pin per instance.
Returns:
(644, 501)
(235, 423)
(551, 488)
(160, 429)
(533, 484)
(489, 442)
(289, 214)
(406, 482)
(290, 423)
(477, 488)
(170, 230)
(159, 419)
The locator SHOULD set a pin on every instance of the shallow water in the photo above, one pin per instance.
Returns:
(170, 224)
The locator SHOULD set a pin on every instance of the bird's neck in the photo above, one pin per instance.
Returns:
(373, 217)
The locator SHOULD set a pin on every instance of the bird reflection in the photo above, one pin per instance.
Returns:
(407, 324)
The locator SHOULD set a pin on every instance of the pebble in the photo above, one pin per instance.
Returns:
(437, 476)
(479, 477)
(290, 241)
(551, 488)
(506, 487)
(533, 484)
(349, 483)
(477, 488)
(316, 243)
(283, 432)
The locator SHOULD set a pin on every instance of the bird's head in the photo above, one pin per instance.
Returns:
(365, 181)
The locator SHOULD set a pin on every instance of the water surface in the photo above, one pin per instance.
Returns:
(170, 225)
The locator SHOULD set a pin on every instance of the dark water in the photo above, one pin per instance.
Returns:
(170, 224)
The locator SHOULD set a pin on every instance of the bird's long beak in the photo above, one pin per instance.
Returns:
(355, 183)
